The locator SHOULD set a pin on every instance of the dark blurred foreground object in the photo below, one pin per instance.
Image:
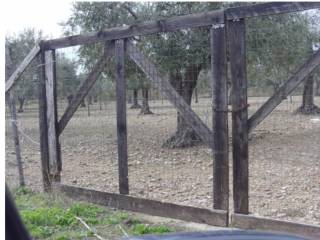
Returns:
(15, 229)
(221, 235)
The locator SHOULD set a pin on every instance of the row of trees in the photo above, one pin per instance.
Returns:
(17, 47)
(276, 46)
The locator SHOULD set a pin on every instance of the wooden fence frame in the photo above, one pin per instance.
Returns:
(225, 24)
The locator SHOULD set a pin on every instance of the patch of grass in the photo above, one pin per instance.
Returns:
(85, 209)
(140, 229)
(48, 217)
(116, 218)
(43, 222)
(21, 191)
(71, 234)
(51, 217)
(88, 212)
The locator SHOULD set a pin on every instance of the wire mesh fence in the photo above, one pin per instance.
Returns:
(167, 160)
(89, 141)
(284, 148)
(28, 132)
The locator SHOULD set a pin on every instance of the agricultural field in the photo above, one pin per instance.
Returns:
(284, 157)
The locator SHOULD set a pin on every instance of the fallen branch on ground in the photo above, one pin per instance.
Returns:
(90, 229)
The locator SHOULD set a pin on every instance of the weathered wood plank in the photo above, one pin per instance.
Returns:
(180, 22)
(162, 82)
(85, 87)
(121, 118)
(22, 67)
(301, 74)
(144, 28)
(267, 224)
(268, 9)
(237, 50)
(220, 118)
(152, 207)
(43, 126)
(50, 74)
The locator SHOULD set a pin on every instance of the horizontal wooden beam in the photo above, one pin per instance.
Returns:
(161, 81)
(302, 73)
(268, 9)
(267, 224)
(22, 67)
(152, 207)
(179, 22)
(144, 28)
(85, 87)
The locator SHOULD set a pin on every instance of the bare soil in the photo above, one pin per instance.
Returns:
(284, 157)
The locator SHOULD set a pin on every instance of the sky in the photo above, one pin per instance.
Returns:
(41, 15)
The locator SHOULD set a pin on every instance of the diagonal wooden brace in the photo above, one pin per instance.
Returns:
(166, 88)
(85, 87)
(302, 73)
(22, 67)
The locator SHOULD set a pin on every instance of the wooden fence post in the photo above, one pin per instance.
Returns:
(237, 51)
(220, 118)
(51, 100)
(13, 112)
(121, 118)
(43, 124)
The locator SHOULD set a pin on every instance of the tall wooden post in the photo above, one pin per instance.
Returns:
(13, 112)
(16, 141)
(237, 53)
(49, 142)
(52, 123)
(220, 118)
(43, 125)
(121, 118)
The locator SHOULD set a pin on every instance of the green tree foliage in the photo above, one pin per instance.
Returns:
(276, 46)
(67, 79)
(27, 87)
(19, 46)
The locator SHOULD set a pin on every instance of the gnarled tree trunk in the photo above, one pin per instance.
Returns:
(89, 100)
(21, 100)
(317, 88)
(135, 104)
(83, 104)
(129, 97)
(308, 106)
(70, 97)
(145, 109)
(196, 100)
(184, 136)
